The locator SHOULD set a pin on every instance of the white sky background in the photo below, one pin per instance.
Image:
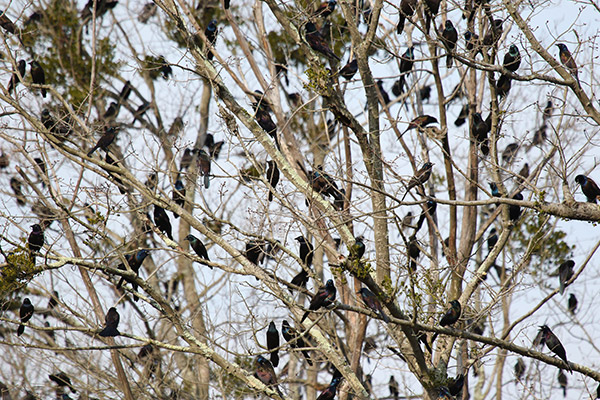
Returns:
(554, 23)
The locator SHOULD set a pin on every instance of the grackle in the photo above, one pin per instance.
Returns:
(107, 138)
(324, 297)
(35, 241)
(325, 9)
(494, 189)
(503, 86)
(373, 303)
(512, 59)
(455, 385)
(255, 252)
(317, 42)
(523, 174)
(562, 381)
(296, 341)
(357, 251)
(572, 304)
(148, 11)
(519, 369)
(125, 92)
(111, 112)
(134, 261)
(480, 130)
(145, 351)
(266, 374)
(204, 166)
(565, 273)
(17, 187)
(109, 160)
(393, 386)
(25, 314)
(306, 251)
(211, 32)
(37, 75)
(407, 9)
(140, 111)
(420, 177)
(272, 177)
(548, 110)
(449, 38)
(425, 93)
(413, 252)
(178, 195)
(214, 148)
(198, 247)
(264, 120)
(554, 344)
(186, 159)
(62, 380)
(493, 33)
(567, 60)
(385, 97)
(510, 152)
(432, 7)
(492, 239)
(349, 70)
(452, 314)
(4, 160)
(472, 42)
(406, 65)
(52, 303)
(420, 122)
(301, 279)
(162, 222)
(329, 393)
(176, 127)
(588, 187)
(514, 211)
(273, 343)
(17, 76)
(6, 23)
(111, 323)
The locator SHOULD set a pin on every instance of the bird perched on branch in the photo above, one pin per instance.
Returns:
(211, 32)
(25, 313)
(204, 166)
(588, 187)
(111, 323)
(572, 304)
(110, 132)
(325, 9)
(62, 380)
(349, 70)
(567, 60)
(198, 247)
(37, 75)
(432, 7)
(296, 341)
(266, 374)
(324, 297)
(329, 393)
(273, 343)
(565, 273)
(317, 42)
(134, 261)
(555, 346)
(17, 76)
(449, 38)
(373, 303)
(407, 9)
(420, 177)
(6, 23)
(272, 177)
(512, 59)
(420, 122)
(178, 195)
(35, 241)
(450, 317)
(162, 222)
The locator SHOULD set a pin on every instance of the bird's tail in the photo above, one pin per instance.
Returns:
(89, 154)
(270, 195)
(449, 60)
(206, 182)
(20, 330)
(384, 316)
(109, 331)
(307, 357)
(400, 26)
(304, 316)
(275, 358)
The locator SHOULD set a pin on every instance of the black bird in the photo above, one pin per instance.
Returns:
(101, 7)
(111, 112)
(425, 93)
(472, 42)
(125, 92)
(414, 252)
(567, 60)
(62, 380)
(548, 111)
(349, 70)
(186, 159)
(148, 11)
(273, 343)
(565, 273)
(325, 9)
(503, 86)
(52, 303)
(111, 323)
(135, 262)
(296, 341)
(562, 381)
(432, 7)
(176, 127)
(211, 32)
(162, 222)
(407, 9)
(17, 187)
(449, 38)
(494, 189)
(37, 75)
(109, 160)
(357, 251)
(264, 120)
(301, 279)
(107, 138)
(455, 385)
(306, 251)
(164, 68)
(6, 23)
(324, 297)
(178, 195)
(452, 314)
(420, 122)
(323, 183)
(406, 65)
(152, 181)
(18, 75)
(384, 95)
(255, 252)
(514, 211)
(519, 368)
(266, 374)
(554, 344)
(198, 247)
(272, 177)
(492, 239)
(145, 351)
(373, 303)
(510, 152)
(512, 59)
(393, 386)
(462, 116)
(572, 303)
(317, 42)
(493, 33)
(25, 314)
(4, 160)
(420, 177)
(140, 111)
(329, 393)
(226, 4)
(35, 241)
(204, 166)
(523, 174)
(480, 130)
(588, 187)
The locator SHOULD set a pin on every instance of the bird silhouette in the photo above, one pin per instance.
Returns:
(349, 70)
(407, 9)
(37, 75)
(588, 187)
(420, 177)
(211, 32)
(62, 380)
(317, 42)
(25, 313)
(565, 273)
(204, 166)
(111, 323)
(554, 345)
(272, 177)
(449, 38)
(512, 59)
(35, 241)
(373, 303)
(273, 343)
(18, 75)
(567, 60)
(324, 297)
(198, 247)
(296, 341)
(572, 304)
(110, 133)
(266, 374)
(329, 393)
(162, 222)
